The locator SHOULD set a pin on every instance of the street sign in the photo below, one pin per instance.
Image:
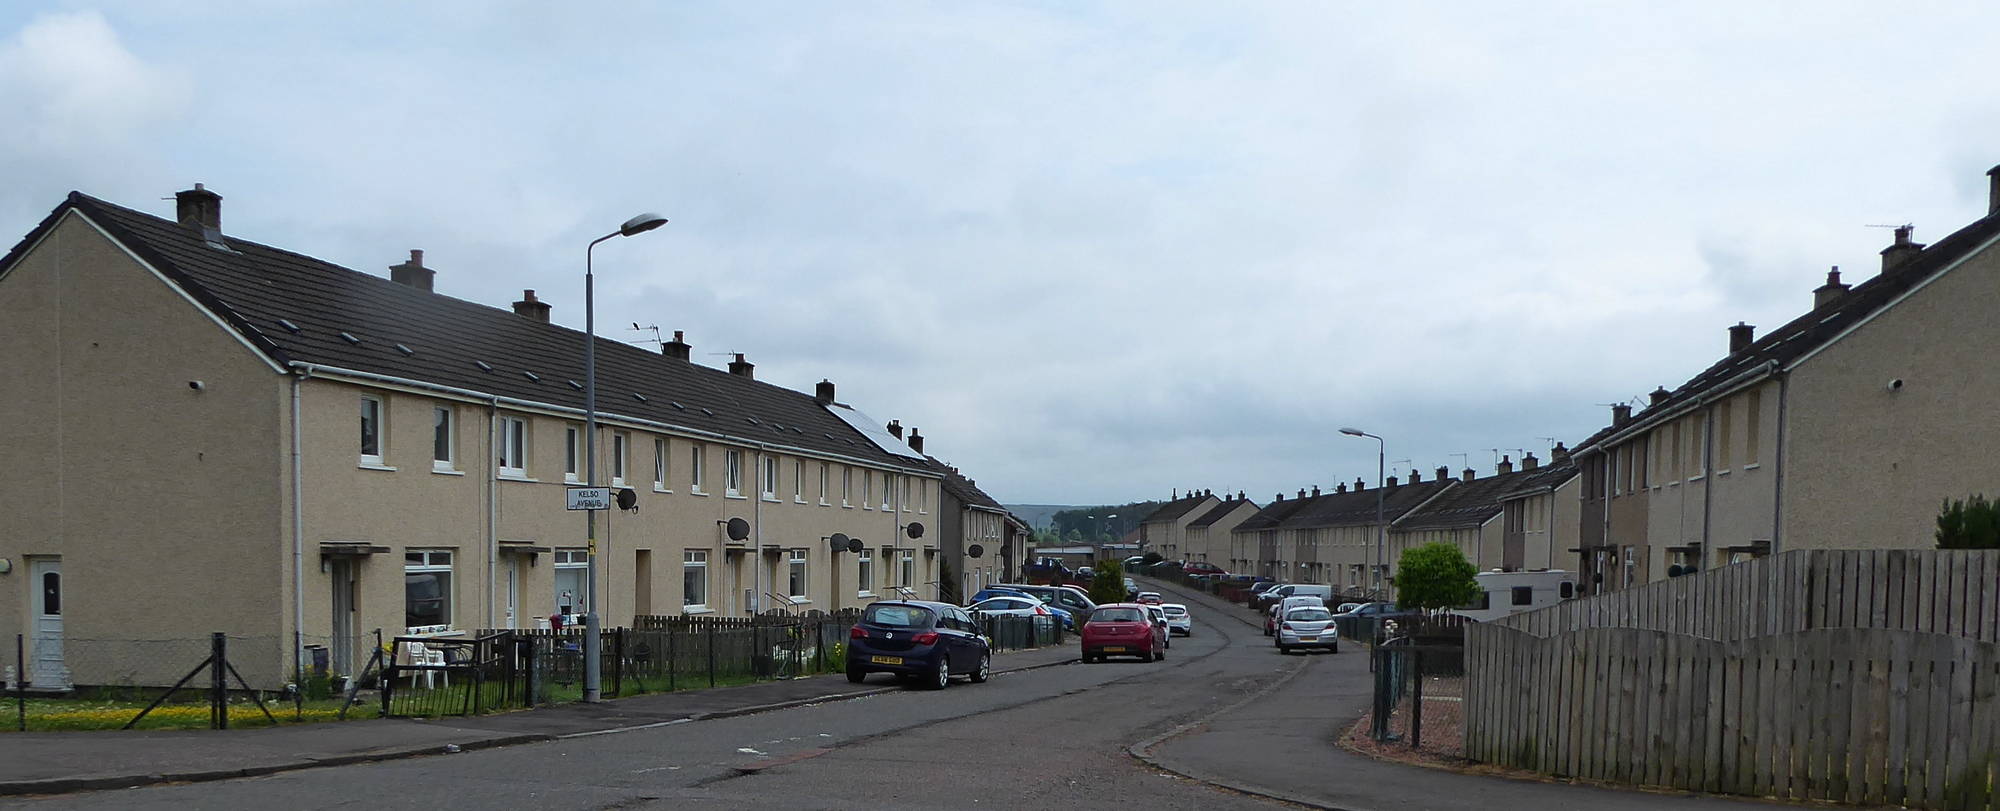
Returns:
(588, 498)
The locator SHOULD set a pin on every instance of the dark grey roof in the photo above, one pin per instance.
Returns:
(1174, 510)
(259, 290)
(1357, 507)
(963, 488)
(1541, 480)
(1209, 518)
(1468, 504)
(1818, 327)
(1272, 515)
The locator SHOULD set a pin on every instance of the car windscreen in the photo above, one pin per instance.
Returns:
(1309, 615)
(1174, 610)
(1117, 615)
(898, 616)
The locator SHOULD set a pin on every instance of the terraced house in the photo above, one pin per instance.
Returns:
(1208, 535)
(1165, 530)
(980, 540)
(211, 434)
(1844, 428)
(1468, 515)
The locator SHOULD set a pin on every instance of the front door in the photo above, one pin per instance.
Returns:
(46, 669)
(513, 595)
(340, 571)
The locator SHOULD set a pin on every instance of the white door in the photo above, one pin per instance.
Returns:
(46, 668)
(341, 574)
(513, 595)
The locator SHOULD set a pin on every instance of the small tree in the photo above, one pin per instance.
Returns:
(1435, 575)
(1153, 557)
(1972, 523)
(1108, 585)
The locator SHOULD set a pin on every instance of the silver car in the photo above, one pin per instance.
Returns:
(1179, 621)
(1308, 627)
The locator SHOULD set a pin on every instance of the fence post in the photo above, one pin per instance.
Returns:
(711, 654)
(672, 664)
(21, 681)
(618, 662)
(1417, 699)
(218, 695)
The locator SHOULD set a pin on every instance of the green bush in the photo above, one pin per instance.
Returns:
(1972, 523)
(1435, 575)
(1108, 586)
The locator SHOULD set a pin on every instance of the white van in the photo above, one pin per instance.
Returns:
(1504, 593)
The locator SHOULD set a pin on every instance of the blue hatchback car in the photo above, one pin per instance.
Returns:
(919, 640)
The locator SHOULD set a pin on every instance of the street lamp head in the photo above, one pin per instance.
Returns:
(641, 224)
(1353, 432)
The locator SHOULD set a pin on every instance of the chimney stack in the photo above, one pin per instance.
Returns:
(199, 208)
(1658, 396)
(743, 368)
(1621, 413)
(531, 307)
(1241, 497)
(1414, 476)
(1315, 491)
(1831, 291)
(1302, 492)
(1902, 250)
(1993, 191)
(1279, 497)
(677, 348)
(1506, 465)
(895, 426)
(1559, 454)
(413, 273)
(822, 392)
(916, 441)
(1360, 484)
(1340, 488)
(1740, 336)
(1467, 475)
(1391, 482)
(1442, 473)
(1529, 462)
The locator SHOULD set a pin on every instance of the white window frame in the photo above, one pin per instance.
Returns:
(572, 453)
(864, 573)
(888, 491)
(697, 461)
(799, 481)
(867, 489)
(732, 473)
(768, 488)
(924, 496)
(797, 580)
(847, 487)
(694, 560)
(570, 560)
(434, 561)
(662, 467)
(374, 418)
(449, 464)
(621, 457)
(825, 483)
(514, 441)
(906, 566)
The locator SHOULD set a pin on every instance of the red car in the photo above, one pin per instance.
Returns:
(1201, 567)
(1123, 629)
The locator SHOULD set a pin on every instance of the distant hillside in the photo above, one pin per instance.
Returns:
(1037, 515)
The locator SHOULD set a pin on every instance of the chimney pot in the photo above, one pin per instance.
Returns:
(1442, 473)
(1831, 291)
(1506, 465)
(413, 273)
(531, 307)
(822, 392)
(1741, 336)
(1902, 250)
(1467, 475)
(1529, 462)
(1621, 413)
(677, 348)
(895, 426)
(743, 368)
(201, 209)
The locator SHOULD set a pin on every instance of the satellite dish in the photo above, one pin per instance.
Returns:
(738, 529)
(628, 499)
(854, 544)
(1675, 570)
(914, 530)
(838, 542)
(975, 550)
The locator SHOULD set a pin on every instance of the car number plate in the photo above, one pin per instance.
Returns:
(886, 660)
(1308, 639)
(1114, 650)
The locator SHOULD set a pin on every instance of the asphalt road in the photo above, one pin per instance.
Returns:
(1049, 738)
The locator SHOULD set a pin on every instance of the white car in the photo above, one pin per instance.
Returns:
(1283, 607)
(1308, 627)
(1159, 617)
(1179, 621)
(1004, 606)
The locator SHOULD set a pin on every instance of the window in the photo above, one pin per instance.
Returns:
(427, 588)
(1753, 414)
(888, 490)
(444, 440)
(694, 578)
(924, 496)
(799, 481)
(907, 563)
(371, 431)
(732, 473)
(867, 489)
(572, 580)
(770, 476)
(905, 501)
(1524, 595)
(696, 455)
(796, 581)
(619, 468)
(1724, 421)
(660, 465)
(513, 447)
(847, 487)
(823, 476)
(572, 452)
(864, 571)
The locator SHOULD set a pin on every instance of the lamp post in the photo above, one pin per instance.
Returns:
(1105, 533)
(593, 645)
(1380, 529)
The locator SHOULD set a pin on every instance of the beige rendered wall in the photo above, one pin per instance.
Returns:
(1867, 467)
(164, 503)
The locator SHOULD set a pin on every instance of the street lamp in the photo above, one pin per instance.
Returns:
(1105, 533)
(1380, 529)
(593, 645)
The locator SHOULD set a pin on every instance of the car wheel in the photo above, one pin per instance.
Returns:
(1159, 655)
(942, 678)
(985, 669)
(1284, 650)
(855, 675)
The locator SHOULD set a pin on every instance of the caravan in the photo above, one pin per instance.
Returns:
(1504, 593)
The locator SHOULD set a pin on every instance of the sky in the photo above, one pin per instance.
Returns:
(1096, 252)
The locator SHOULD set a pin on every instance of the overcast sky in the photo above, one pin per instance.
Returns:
(1095, 252)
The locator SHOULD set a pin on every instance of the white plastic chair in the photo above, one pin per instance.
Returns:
(427, 656)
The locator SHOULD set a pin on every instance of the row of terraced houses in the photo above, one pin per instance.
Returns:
(211, 434)
(1844, 428)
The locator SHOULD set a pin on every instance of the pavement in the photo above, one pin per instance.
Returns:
(62, 762)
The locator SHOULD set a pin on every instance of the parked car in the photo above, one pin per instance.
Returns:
(1131, 588)
(1123, 629)
(1149, 598)
(1006, 605)
(1068, 598)
(1134, 562)
(1279, 608)
(1308, 627)
(1178, 619)
(996, 591)
(1201, 567)
(918, 640)
(1263, 601)
(1159, 617)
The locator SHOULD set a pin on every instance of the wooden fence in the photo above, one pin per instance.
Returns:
(1863, 677)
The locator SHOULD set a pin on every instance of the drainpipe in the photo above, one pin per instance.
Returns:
(298, 539)
(493, 512)
(1707, 480)
(1778, 470)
